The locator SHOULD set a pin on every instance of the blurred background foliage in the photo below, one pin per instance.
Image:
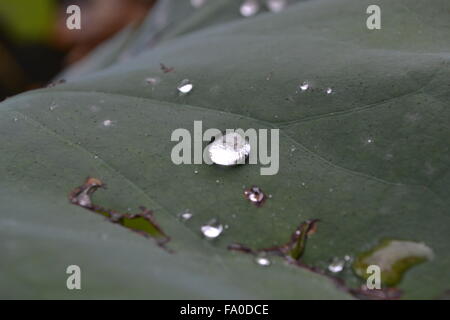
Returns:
(35, 44)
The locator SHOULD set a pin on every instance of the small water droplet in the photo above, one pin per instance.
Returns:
(212, 229)
(229, 149)
(249, 8)
(195, 171)
(304, 86)
(95, 156)
(337, 265)
(15, 119)
(185, 216)
(262, 260)
(255, 195)
(276, 5)
(107, 123)
(370, 140)
(329, 91)
(185, 86)
(217, 181)
(197, 3)
(53, 106)
(94, 108)
(151, 80)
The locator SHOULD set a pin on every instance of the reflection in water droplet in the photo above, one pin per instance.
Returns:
(304, 86)
(249, 8)
(276, 5)
(255, 195)
(212, 229)
(229, 149)
(197, 3)
(337, 265)
(263, 261)
(185, 216)
(393, 257)
(185, 86)
(329, 91)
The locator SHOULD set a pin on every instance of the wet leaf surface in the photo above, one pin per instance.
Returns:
(369, 160)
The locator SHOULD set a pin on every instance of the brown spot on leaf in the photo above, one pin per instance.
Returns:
(365, 293)
(143, 223)
(292, 250)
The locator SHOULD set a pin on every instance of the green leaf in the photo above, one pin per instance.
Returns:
(369, 160)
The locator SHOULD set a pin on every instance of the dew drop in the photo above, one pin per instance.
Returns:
(255, 195)
(229, 149)
(197, 3)
(185, 216)
(185, 86)
(212, 229)
(276, 5)
(94, 108)
(107, 123)
(195, 171)
(53, 106)
(329, 91)
(249, 8)
(337, 265)
(151, 80)
(15, 119)
(304, 86)
(262, 260)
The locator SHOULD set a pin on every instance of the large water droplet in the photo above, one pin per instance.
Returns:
(255, 195)
(276, 5)
(229, 149)
(393, 257)
(185, 86)
(212, 229)
(249, 8)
